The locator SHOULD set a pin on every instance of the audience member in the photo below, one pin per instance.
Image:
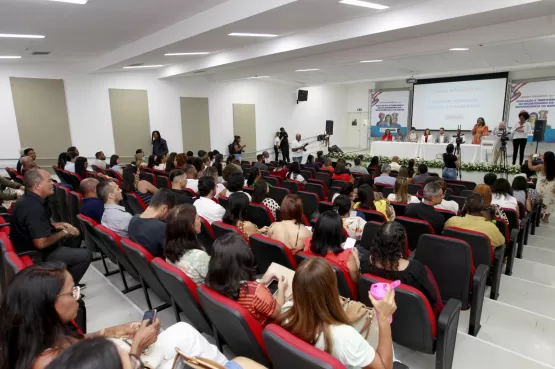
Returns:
(21, 155)
(377, 172)
(385, 178)
(7, 195)
(357, 168)
(181, 161)
(171, 163)
(422, 174)
(151, 162)
(472, 219)
(320, 157)
(348, 189)
(32, 230)
(231, 273)
(92, 206)
(503, 194)
(401, 192)
(410, 168)
(81, 165)
(367, 200)
(228, 171)
(192, 180)
(27, 163)
(213, 172)
(198, 163)
(114, 164)
(235, 184)
(253, 177)
(342, 173)
(160, 163)
(491, 211)
(236, 212)
(62, 160)
(115, 217)
(404, 172)
(546, 182)
(190, 154)
(133, 184)
(282, 169)
(178, 180)
(260, 196)
(100, 160)
(373, 163)
(159, 145)
(450, 205)
(73, 149)
(328, 166)
(520, 192)
(295, 172)
(260, 162)
(395, 163)
(182, 248)
(353, 225)
(70, 164)
(433, 194)
(291, 231)
(205, 204)
(489, 179)
(311, 164)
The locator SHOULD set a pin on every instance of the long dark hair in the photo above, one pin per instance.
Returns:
(218, 164)
(411, 167)
(29, 322)
(374, 162)
(387, 248)
(294, 170)
(232, 262)
(260, 191)
(151, 162)
(501, 188)
(93, 353)
(62, 160)
(114, 160)
(180, 232)
(366, 197)
(159, 136)
(549, 165)
(328, 234)
(80, 167)
(236, 208)
(128, 184)
(170, 163)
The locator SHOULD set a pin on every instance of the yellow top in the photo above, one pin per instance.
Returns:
(478, 224)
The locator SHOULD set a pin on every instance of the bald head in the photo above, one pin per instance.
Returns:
(88, 187)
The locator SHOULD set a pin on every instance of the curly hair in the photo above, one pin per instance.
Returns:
(387, 249)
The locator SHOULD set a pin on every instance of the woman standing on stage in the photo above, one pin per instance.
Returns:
(521, 130)
(480, 129)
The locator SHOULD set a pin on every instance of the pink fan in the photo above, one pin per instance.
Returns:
(378, 291)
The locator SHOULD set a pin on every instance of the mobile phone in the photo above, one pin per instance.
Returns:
(150, 316)
(273, 286)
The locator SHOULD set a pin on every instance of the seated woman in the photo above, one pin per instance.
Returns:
(70, 164)
(151, 162)
(43, 300)
(327, 241)
(387, 136)
(520, 192)
(318, 317)
(386, 261)
(328, 165)
(132, 184)
(171, 162)
(231, 273)
(295, 173)
(353, 225)
(161, 162)
(341, 173)
(182, 247)
(346, 189)
(213, 172)
(503, 194)
(496, 212)
(368, 200)
(427, 137)
(260, 196)
(81, 165)
(290, 231)
(236, 212)
(180, 161)
(253, 177)
(282, 169)
(373, 163)
(401, 192)
(235, 184)
(310, 163)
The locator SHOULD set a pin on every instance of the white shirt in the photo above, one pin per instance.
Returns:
(413, 199)
(295, 145)
(277, 141)
(521, 134)
(395, 166)
(504, 201)
(209, 210)
(246, 193)
(160, 167)
(349, 347)
(192, 184)
(448, 205)
(70, 167)
(100, 163)
(430, 139)
(298, 177)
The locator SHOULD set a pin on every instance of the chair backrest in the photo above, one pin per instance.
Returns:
(373, 215)
(320, 182)
(415, 228)
(338, 183)
(141, 259)
(414, 324)
(75, 202)
(97, 169)
(91, 175)
(12, 173)
(399, 208)
(206, 236)
(12, 265)
(447, 214)
(457, 188)
(73, 179)
(110, 243)
(504, 228)
(272, 181)
(278, 194)
(306, 174)
(414, 188)
(512, 216)
(62, 195)
(223, 201)
(54, 208)
(325, 206)
(324, 176)
(482, 252)
(260, 215)
(459, 199)
(114, 174)
(289, 352)
(183, 291)
(467, 184)
(267, 251)
(241, 332)
(292, 186)
(221, 228)
(87, 225)
(466, 193)
(450, 261)
(386, 191)
(163, 182)
(310, 202)
(136, 204)
(316, 188)
(332, 191)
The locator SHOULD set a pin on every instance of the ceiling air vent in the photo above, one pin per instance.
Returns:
(40, 53)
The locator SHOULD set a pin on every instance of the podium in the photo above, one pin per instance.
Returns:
(487, 146)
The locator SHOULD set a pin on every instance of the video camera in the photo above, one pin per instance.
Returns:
(458, 138)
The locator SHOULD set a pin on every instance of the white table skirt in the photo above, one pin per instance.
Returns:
(470, 153)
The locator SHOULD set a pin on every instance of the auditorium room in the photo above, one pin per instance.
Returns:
(286, 184)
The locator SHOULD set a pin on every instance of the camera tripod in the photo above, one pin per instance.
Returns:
(458, 154)
(504, 162)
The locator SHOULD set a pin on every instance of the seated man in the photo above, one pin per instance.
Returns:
(357, 168)
(385, 178)
(115, 217)
(395, 163)
(100, 160)
(179, 181)
(192, 181)
(92, 206)
(27, 163)
(260, 162)
(149, 228)
(433, 194)
(32, 230)
(422, 174)
(490, 179)
(442, 138)
(473, 220)
(205, 205)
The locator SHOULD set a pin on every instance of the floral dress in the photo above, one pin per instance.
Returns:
(546, 190)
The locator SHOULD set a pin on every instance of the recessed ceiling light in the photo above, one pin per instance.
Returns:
(239, 34)
(372, 61)
(82, 2)
(306, 70)
(9, 57)
(143, 66)
(365, 4)
(256, 77)
(14, 35)
(459, 49)
(184, 54)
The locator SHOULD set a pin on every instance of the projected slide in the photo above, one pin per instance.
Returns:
(451, 104)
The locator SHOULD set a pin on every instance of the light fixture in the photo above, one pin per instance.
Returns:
(13, 35)
(364, 4)
(459, 49)
(9, 57)
(306, 70)
(143, 66)
(239, 34)
(372, 61)
(185, 54)
(256, 77)
(81, 2)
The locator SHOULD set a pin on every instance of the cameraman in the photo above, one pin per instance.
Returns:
(451, 163)
(501, 133)
(458, 138)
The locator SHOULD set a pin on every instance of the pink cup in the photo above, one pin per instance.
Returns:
(378, 291)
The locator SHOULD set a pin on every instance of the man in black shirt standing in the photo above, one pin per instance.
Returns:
(284, 146)
(433, 194)
(31, 228)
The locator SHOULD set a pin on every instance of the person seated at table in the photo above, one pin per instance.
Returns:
(412, 136)
(357, 168)
(385, 178)
(387, 136)
(503, 195)
(472, 218)
(427, 137)
(433, 194)
(353, 225)
(367, 199)
(400, 137)
(341, 173)
(401, 192)
(442, 137)
(520, 192)
(451, 163)
(480, 129)
(422, 175)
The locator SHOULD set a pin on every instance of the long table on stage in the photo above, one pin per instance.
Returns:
(428, 151)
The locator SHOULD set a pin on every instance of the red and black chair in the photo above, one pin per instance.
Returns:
(467, 184)
(62, 197)
(93, 243)
(310, 202)
(318, 189)
(511, 237)
(373, 215)
(399, 208)
(320, 182)
(91, 175)
(149, 177)
(460, 200)
(414, 324)
(273, 181)
(482, 253)
(306, 174)
(387, 190)
(292, 186)
(338, 183)
(11, 262)
(74, 180)
(114, 174)
(516, 225)
(450, 261)
(414, 188)
(249, 190)
(325, 177)
(267, 251)
(75, 202)
(260, 215)
(221, 228)
(56, 169)
(183, 294)
(163, 182)
(447, 214)
(415, 228)
(52, 201)
(223, 201)
(12, 173)
(278, 194)
(206, 236)
(381, 187)
(457, 188)
(325, 206)
(97, 169)
(239, 329)
(466, 193)
(4, 225)
(332, 191)
(136, 204)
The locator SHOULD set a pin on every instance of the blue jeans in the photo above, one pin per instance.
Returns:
(237, 156)
(449, 173)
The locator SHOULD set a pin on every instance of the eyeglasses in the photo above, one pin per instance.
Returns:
(136, 362)
(75, 293)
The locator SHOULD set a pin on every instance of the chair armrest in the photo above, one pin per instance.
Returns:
(478, 291)
(499, 255)
(517, 238)
(447, 324)
(4, 225)
(412, 255)
(7, 217)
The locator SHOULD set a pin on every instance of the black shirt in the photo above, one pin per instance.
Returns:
(450, 160)
(30, 221)
(183, 197)
(428, 213)
(149, 233)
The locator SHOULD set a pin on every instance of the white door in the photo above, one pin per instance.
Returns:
(356, 127)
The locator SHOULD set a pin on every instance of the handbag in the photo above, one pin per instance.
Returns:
(364, 324)
(182, 361)
(152, 357)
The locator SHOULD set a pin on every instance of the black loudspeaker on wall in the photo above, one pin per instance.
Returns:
(539, 130)
(329, 127)
(302, 96)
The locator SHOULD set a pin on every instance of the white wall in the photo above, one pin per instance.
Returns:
(358, 96)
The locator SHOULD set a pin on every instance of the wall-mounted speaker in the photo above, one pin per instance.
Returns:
(329, 127)
(302, 96)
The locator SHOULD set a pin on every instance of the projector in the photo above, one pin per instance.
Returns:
(412, 80)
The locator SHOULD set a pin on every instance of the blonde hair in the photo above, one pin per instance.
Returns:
(402, 190)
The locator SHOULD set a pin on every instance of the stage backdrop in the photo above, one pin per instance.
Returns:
(538, 99)
(389, 110)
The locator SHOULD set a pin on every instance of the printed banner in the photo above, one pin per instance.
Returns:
(389, 110)
(538, 99)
